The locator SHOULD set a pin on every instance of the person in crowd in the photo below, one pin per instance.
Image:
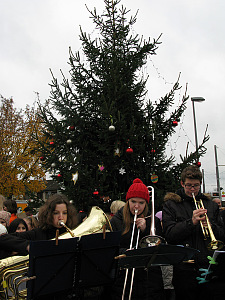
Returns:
(115, 206)
(147, 283)
(218, 201)
(10, 206)
(182, 221)
(3, 229)
(4, 218)
(167, 273)
(32, 222)
(57, 208)
(18, 225)
(28, 211)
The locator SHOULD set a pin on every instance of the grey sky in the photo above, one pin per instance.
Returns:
(36, 35)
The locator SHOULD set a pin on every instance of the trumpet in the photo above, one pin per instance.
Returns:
(207, 231)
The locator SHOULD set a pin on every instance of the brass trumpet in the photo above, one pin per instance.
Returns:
(207, 231)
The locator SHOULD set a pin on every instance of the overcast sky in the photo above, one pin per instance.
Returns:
(35, 36)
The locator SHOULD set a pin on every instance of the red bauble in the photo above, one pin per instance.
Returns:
(59, 175)
(175, 123)
(95, 193)
(72, 128)
(42, 158)
(198, 164)
(129, 150)
(51, 143)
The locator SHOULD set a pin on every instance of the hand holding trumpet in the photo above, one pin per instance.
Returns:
(199, 215)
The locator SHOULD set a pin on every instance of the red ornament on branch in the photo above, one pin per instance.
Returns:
(198, 164)
(42, 158)
(153, 151)
(129, 150)
(52, 143)
(95, 193)
(175, 123)
(72, 128)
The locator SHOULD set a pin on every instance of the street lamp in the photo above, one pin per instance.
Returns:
(196, 99)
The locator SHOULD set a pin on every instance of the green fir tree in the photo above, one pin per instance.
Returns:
(107, 91)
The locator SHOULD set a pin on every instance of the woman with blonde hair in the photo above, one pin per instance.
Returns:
(148, 283)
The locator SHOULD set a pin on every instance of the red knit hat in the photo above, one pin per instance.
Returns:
(138, 190)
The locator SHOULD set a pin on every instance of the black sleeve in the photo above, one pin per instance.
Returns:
(175, 232)
(16, 242)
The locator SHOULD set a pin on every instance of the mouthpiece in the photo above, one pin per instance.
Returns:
(61, 223)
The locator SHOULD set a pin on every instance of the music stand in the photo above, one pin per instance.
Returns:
(72, 265)
(160, 255)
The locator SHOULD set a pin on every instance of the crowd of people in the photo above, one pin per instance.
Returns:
(180, 222)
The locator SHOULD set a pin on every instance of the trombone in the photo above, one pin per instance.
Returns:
(207, 231)
(152, 239)
(131, 243)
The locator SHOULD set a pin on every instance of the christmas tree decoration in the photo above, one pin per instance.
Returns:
(75, 177)
(95, 193)
(53, 165)
(69, 142)
(101, 167)
(122, 171)
(59, 177)
(42, 158)
(175, 123)
(52, 143)
(72, 128)
(198, 164)
(117, 152)
(112, 128)
(129, 150)
(152, 150)
(154, 178)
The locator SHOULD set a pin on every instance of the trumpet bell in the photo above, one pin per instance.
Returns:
(215, 245)
(151, 241)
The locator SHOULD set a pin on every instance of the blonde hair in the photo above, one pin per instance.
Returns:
(128, 217)
(116, 205)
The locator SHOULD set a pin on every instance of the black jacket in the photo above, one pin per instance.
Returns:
(18, 242)
(179, 228)
(118, 225)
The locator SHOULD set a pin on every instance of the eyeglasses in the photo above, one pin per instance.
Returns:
(194, 186)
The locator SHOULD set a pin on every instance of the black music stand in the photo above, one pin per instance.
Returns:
(160, 255)
(71, 266)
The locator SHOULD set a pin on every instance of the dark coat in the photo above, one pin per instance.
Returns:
(18, 242)
(148, 284)
(179, 228)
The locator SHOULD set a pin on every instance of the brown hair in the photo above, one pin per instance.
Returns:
(45, 215)
(128, 217)
(191, 172)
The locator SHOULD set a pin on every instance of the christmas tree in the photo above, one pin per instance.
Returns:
(101, 132)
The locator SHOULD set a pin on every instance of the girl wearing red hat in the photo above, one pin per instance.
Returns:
(148, 284)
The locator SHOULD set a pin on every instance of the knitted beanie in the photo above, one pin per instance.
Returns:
(5, 215)
(138, 190)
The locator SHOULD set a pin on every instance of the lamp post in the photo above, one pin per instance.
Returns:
(197, 99)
